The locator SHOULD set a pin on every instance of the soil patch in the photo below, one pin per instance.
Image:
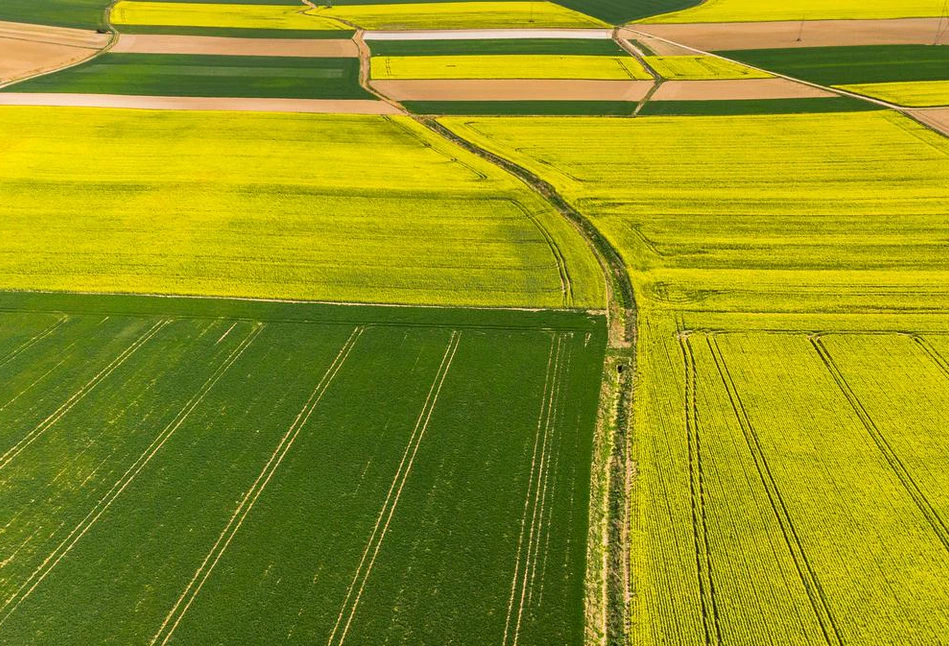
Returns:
(776, 88)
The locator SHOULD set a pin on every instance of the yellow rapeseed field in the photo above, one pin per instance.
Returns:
(793, 293)
(186, 14)
(766, 10)
(318, 207)
(914, 94)
(701, 68)
(459, 15)
(508, 67)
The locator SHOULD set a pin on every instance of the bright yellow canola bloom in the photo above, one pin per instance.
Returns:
(508, 67)
(183, 14)
(914, 94)
(765, 10)
(317, 207)
(701, 68)
(460, 15)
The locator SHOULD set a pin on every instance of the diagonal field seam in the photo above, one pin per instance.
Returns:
(520, 579)
(203, 572)
(25, 590)
(392, 498)
(76, 397)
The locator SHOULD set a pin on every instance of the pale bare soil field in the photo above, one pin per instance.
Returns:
(813, 33)
(776, 88)
(513, 90)
(314, 106)
(937, 118)
(27, 50)
(222, 46)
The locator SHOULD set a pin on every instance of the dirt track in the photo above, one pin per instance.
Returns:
(776, 88)
(193, 103)
(937, 118)
(27, 50)
(513, 90)
(816, 33)
(306, 48)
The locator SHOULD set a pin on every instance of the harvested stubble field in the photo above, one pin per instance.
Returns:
(186, 471)
(792, 373)
(319, 207)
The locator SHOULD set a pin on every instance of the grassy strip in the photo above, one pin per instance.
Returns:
(527, 108)
(756, 106)
(858, 64)
(236, 32)
(531, 46)
(208, 76)
(81, 14)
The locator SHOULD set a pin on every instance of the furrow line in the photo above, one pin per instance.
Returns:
(395, 492)
(79, 395)
(191, 591)
(11, 604)
(548, 380)
(933, 353)
(896, 464)
(537, 509)
(805, 570)
(29, 343)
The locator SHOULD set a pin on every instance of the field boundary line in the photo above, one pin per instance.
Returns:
(893, 460)
(566, 283)
(394, 494)
(246, 504)
(130, 474)
(549, 413)
(548, 378)
(805, 570)
(29, 343)
(703, 552)
(80, 394)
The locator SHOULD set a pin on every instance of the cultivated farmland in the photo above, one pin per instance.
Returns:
(185, 469)
(508, 67)
(244, 204)
(755, 10)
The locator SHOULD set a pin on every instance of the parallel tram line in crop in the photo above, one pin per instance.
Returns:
(804, 568)
(523, 578)
(203, 572)
(896, 464)
(703, 556)
(376, 538)
(29, 343)
(933, 353)
(80, 394)
(11, 604)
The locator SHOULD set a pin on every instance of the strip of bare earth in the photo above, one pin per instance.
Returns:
(756, 89)
(811, 33)
(936, 118)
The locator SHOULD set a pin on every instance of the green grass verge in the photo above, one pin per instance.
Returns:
(847, 65)
(207, 76)
(298, 421)
(531, 46)
(234, 32)
(566, 108)
(756, 106)
(81, 14)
